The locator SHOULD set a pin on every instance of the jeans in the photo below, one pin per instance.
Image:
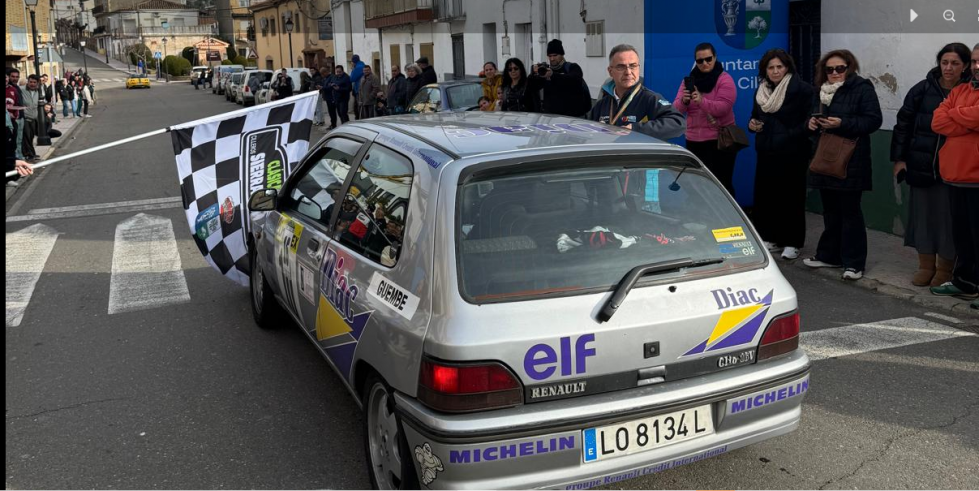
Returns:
(64, 108)
(77, 104)
(965, 233)
(844, 239)
(318, 116)
(343, 110)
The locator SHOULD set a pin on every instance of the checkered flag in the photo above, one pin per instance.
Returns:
(222, 160)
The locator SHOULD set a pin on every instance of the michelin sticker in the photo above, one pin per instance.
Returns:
(765, 397)
(430, 463)
(306, 283)
(393, 296)
(730, 234)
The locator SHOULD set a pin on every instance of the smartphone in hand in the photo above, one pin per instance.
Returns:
(688, 84)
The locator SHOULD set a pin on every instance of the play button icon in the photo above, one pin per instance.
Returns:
(914, 15)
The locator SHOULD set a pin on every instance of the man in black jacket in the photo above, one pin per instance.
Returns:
(428, 74)
(565, 90)
(396, 101)
(626, 103)
(341, 86)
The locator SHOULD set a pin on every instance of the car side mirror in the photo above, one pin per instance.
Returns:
(310, 209)
(263, 200)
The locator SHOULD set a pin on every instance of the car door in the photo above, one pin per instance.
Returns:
(420, 102)
(302, 224)
(358, 265)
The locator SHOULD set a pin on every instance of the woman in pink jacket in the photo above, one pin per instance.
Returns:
(708, 106)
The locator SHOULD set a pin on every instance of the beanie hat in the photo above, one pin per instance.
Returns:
(355, 59)
(555, 47)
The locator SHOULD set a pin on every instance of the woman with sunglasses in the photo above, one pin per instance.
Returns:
(708, 105)
(846, 105)
(520, 92)
(778, 119)
(915, 153)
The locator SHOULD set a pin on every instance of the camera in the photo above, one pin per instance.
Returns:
(542, 69)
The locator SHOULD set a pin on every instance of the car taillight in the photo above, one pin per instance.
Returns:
(456, 387)
(781, 336)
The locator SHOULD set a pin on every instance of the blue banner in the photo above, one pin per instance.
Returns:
(741, 31)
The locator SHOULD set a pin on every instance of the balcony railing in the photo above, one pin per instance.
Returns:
(383, 8)
(154, 31)
(449, 9)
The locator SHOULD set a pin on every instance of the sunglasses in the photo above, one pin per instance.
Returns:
(840, 69)
(701, 61)
(513, 69)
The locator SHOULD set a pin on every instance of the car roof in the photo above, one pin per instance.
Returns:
(467, 134)
(452, 83)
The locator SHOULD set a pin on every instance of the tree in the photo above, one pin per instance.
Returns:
(758, 24)
(176, 65)
(241, 60)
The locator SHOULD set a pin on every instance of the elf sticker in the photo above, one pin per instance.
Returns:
(731, 234)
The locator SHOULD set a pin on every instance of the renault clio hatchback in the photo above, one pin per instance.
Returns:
(523, 301)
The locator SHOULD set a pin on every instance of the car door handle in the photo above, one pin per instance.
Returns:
(313, 248)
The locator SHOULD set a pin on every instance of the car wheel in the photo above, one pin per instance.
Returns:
(265, 309)
(389, 461)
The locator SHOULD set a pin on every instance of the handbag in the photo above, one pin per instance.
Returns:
(730, 138)
(832, 156)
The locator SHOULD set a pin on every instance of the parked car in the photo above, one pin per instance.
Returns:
(221, 76)
(251, 82)
(137, 80)
(551, 303)
(454, 96)
(231, 87)
(263, 93)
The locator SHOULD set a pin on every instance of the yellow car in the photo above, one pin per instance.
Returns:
(136, 80)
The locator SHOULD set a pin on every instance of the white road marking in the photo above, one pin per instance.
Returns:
(79, 211)
(874, 336)
(27, 252)
(146, 271)
(946, 318)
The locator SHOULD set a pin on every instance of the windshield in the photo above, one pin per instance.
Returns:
(464, 96)
(556, 232)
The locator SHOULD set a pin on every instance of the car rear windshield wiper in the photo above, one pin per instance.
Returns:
(630, 279)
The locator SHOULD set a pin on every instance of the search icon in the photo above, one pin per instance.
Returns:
(949, 15)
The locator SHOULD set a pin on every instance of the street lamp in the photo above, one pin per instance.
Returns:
(84, 56)
(42, 123)
(165, 71)
(289, 27)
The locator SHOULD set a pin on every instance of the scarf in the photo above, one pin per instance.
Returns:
(827, 91)
(705, 82)
(771, 99)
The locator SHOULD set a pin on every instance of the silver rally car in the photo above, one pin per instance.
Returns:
(522, 301)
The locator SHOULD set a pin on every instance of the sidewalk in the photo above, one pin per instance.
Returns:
(66, 126)
(889, 268)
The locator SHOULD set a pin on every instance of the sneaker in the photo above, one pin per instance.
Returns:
(13, 184)
(950, 290)
(790, 253)
(852, 274)
(88, 115)
(771, 246)
(812, 262)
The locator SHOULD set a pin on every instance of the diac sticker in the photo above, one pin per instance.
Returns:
(731, 234)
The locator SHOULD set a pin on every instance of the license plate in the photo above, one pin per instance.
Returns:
(646, 434)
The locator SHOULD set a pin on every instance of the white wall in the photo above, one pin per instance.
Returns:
(364, 41)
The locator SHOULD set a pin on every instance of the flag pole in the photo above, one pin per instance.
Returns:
(94, 149)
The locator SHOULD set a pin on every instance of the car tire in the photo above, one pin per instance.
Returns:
(265, 308)
(384, 439)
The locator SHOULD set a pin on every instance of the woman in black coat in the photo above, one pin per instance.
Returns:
(914, 151)
(520, 92)
(415, 82)
(849, 108)
(778, 119)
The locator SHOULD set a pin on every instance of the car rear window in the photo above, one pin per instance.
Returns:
(563, 232)
(464, 96)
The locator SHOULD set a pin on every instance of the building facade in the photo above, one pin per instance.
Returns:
(19, 42)
(309, 44)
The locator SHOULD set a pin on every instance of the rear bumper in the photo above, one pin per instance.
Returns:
(541, 445)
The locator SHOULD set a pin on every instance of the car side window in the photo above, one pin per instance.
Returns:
(372, 219)
(434, 100)
(318, 189)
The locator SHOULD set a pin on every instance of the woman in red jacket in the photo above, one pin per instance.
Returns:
(958, 119)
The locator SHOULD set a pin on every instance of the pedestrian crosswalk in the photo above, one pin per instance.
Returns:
(146, 271)
(109, 80)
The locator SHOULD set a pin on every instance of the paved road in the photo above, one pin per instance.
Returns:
(187, 393)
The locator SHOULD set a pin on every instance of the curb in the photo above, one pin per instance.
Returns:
(925, 299)
(11, 192)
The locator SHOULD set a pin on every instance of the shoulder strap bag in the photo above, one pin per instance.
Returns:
(730, 138)
(833, 154)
